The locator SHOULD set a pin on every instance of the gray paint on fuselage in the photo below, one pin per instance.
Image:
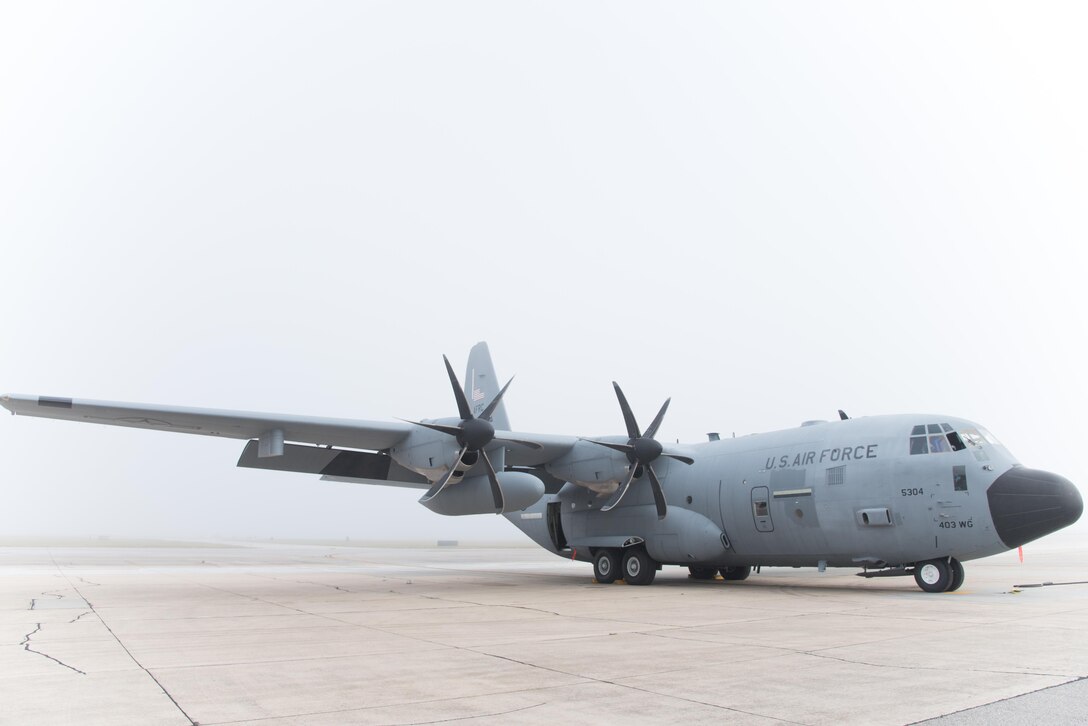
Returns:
(813, 520)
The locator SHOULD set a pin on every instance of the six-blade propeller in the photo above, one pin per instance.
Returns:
(641, 450)
(473, 434)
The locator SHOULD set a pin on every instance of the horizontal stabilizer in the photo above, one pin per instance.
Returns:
(336, 463)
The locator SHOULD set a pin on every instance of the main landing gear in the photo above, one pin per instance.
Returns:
(735, 574)
(941, 575)
(631, 564)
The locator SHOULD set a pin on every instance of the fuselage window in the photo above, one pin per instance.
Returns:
(959, 478)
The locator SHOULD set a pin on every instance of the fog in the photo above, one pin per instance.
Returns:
(765, 211)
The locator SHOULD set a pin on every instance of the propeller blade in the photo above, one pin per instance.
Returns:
(451, 430)
(686, 459)
(496, 490)
(624, 448)
(657, 420)
(487, 412)
(435, 490)
(842, 415)
(528, 444)
(619, 493)
(628, 415)
(659, 495)
(463, 408)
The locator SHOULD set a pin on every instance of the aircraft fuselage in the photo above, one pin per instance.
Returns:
(838, 494)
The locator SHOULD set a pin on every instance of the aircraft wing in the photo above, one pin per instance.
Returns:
(374, 435)
(335, 464)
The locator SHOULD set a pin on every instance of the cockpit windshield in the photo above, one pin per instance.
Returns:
(935, 439)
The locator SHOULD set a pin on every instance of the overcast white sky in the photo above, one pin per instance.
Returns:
(767, 211)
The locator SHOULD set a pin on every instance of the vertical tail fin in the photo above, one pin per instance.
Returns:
(482, 385)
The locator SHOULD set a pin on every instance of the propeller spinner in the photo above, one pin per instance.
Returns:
(641, 450)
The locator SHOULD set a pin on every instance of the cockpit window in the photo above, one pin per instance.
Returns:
(974, 438)
(937, 439)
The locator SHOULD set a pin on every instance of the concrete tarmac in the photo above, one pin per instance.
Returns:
(276, 634)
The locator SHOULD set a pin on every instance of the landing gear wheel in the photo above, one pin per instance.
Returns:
(606, 566)
(957, 575)
(933, 575)
(701, 573)
(638, 568)
(738, 573)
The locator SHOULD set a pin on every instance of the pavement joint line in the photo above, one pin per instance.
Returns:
(474, 716)
(951, 668)
(635, 688)
(512, 660)
(1001, 700)
(431, 701)
(819, 653)
(122, 644)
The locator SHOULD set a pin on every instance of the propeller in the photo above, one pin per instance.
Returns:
(472, 434)
(641, 450)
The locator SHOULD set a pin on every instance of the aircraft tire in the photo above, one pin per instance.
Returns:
(701, 573)
(957, 575)
(606, 566)
(933, 575)
(736, 574)
(638, 568)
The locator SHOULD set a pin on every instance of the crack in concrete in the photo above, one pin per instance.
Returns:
(85, 612)
(50, 593)
(27, 648)
(122, 644)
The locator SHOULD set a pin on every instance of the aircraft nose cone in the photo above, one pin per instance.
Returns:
(1027, 503)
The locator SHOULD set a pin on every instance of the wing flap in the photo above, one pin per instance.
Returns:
(333, 464)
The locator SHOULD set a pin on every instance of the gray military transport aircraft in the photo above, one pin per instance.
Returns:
(892, 495)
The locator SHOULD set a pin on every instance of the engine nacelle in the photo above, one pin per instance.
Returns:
(473, 495)
(427, 452)
(592, 466)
